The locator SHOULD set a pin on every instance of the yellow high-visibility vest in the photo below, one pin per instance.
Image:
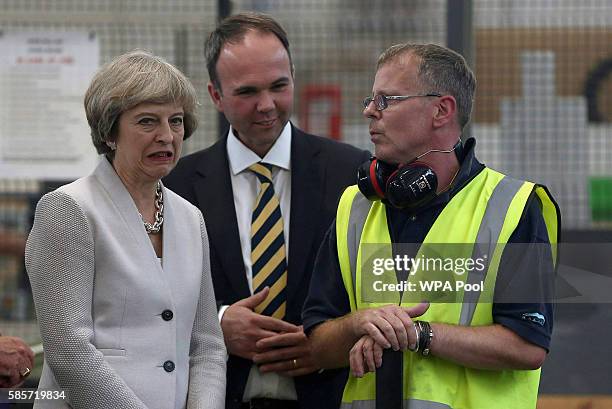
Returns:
(485, 212)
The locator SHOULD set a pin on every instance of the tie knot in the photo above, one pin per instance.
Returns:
(263, 171)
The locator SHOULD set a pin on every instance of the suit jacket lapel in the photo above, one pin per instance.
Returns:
(215, 198)
(173, 236)
(306, 196)
(128, 212)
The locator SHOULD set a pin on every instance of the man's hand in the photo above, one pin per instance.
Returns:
(16, 361)
(365, 356)
(390, 326)
(288, 354)
(242, 327)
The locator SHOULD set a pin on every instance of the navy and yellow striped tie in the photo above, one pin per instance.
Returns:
(268, 245)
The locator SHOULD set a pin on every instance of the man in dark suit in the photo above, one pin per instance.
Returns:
(264, 166)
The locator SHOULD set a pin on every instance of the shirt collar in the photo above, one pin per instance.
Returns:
(240, 157)
(470, 167)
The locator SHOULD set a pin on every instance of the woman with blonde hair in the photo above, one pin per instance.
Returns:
(119, 264)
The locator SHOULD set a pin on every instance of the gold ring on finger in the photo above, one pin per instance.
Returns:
(294, 364)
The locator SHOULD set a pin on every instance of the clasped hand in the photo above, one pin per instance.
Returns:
(15, 357)
(273, 344)
(390, 326)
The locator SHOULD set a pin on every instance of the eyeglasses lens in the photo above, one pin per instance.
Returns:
(380, 102)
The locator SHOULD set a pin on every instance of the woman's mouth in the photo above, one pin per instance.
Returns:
(161, 156)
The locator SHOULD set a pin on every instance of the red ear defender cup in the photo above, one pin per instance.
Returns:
(411, 186)
(408, 187)
(378, 185)
(372, 178)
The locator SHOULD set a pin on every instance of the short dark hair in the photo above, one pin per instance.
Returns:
(131, 79)
(441, 70)
(232, 30)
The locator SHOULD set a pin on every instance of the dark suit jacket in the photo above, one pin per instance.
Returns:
(320, 170)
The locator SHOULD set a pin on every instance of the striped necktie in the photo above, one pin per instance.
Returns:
(268, 245)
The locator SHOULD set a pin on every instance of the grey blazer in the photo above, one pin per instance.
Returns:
(121, 330)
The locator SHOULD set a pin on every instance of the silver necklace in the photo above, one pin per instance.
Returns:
(159, 212)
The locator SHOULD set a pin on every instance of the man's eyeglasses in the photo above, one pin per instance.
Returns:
(381, 101)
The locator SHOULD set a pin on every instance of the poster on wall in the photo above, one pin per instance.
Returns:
(43, 129)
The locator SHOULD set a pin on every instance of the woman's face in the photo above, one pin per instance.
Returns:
(149, 141)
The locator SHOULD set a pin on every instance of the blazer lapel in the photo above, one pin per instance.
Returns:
(128, 212)
(216, 200)
(173, 236)
(306, 196)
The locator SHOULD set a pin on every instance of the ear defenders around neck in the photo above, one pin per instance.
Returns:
(407, 186)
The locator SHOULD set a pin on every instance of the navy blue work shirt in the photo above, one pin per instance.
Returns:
(327, 298)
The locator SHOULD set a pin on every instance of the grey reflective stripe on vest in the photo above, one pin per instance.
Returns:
(359, 213)
(486, 240)
(423, 404)
(407, 404)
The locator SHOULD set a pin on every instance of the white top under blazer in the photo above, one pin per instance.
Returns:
(119, 328)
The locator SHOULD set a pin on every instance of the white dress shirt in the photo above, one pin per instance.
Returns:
(246, 187)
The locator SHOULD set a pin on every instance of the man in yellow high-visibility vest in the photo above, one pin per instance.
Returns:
(427, 188)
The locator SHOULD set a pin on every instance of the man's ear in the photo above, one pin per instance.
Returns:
(445, 111)
(215, 96)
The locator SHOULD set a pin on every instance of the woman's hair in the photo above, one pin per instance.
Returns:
(129, 80)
